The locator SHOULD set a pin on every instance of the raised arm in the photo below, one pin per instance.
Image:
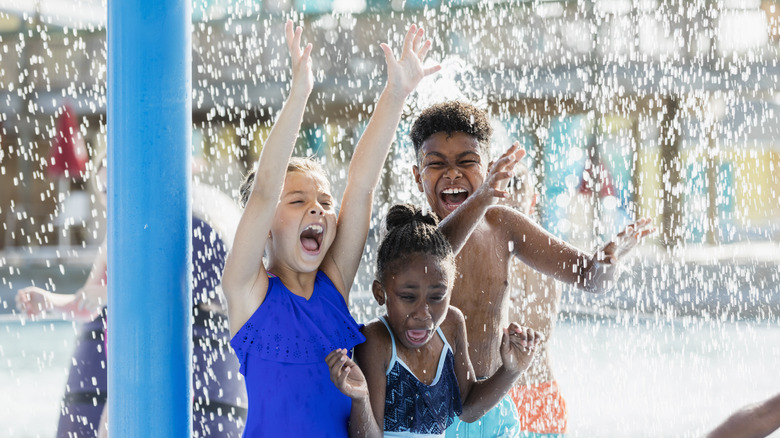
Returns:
(403, 75)
(244, 280)
(552, 256)
(459, 224)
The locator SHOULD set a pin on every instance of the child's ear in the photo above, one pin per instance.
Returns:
(417, 178)
(379, 293)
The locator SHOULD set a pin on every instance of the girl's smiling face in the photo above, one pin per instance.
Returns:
(304, 225)
(416, 290)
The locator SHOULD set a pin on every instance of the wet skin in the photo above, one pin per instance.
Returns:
(535, 298)
(450, 169)
(480, 289)
(304, 226)
(417, 298)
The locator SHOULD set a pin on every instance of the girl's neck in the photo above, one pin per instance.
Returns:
(423, 361)
(299, 283)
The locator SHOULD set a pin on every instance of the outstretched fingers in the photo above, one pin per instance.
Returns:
(503, 169)
(424, 49)
(417, 40)
(389, 57)
(626, 240)
(431, 70)
(293, 36)
(411, 35)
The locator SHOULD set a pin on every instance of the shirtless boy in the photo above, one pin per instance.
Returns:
(535, 299)
(451, 143)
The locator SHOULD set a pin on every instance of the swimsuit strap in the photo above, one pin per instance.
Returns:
(447, 345)
(394, 357)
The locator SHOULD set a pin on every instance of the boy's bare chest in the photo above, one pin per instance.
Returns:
(482, 268)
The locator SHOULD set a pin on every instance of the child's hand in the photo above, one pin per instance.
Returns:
(302, 76)
(518, 346)
(33, 302)
(346, 375)
(624, 242)
(404, 74)
(499, 173)
(89, 301)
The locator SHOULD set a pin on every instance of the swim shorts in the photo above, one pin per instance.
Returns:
(541, 408)
(499, 422)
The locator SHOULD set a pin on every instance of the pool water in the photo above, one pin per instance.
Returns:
(621, 376)
(647, 378)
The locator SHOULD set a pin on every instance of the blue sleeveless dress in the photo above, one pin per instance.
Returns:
(414, 409)
(281, 351)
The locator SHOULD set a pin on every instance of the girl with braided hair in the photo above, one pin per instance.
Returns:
(416, 373)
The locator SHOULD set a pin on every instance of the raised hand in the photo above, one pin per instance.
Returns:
(404, 74)
(302, 76)
(346, 375)
(501, 171)
(518, 347)
(624, 242)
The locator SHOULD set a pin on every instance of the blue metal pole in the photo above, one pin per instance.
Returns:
(149, 138)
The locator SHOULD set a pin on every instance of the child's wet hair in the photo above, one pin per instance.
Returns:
(296, 164)
(409, 231)
(451, 117)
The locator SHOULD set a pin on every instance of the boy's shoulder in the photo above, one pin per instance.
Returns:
(454, 324)
(454, 315)
(506, 219)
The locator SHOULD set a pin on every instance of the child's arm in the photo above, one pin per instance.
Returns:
(552, 256)
(349, 379)
(518, 346)
(458, 226)
(354, 219)
(244, 280)
(756, 421)
(84, 304)
(366, 384)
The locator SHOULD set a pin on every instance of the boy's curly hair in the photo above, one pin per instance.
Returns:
(409, 231)
(451, 117)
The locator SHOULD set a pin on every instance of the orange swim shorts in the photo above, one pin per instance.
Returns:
(541, 407)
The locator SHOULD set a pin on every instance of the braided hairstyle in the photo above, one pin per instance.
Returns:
(409, 231)
(451, 117)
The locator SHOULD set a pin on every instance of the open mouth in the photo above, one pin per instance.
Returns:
(453, 197)
(417, 337)
(311, 238)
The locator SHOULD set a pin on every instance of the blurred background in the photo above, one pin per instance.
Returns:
(627, 108)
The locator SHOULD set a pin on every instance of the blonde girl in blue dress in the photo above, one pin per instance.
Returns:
(288, 313)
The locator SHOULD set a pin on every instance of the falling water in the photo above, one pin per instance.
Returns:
(626, 109)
